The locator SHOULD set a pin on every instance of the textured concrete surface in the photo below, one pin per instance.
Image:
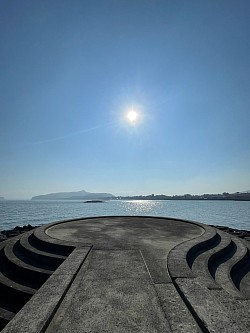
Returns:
(139, 274)
(157, 234)
(117, 295)
(127, 261)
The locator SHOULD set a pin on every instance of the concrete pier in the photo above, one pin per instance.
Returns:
(125, 274)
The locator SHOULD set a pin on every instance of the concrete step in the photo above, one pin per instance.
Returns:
(208, 261)
(182, 256)
(12, 299)
(223, 272)
(40, 240)
(9, 276)
(244, 272)
(241, 268)
(29, 247)
(5, 317)
(220, 261)
(202, 246)
(27, 253)
(5, 280)
(24, 273)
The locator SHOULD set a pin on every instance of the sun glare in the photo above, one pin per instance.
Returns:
(132, 117)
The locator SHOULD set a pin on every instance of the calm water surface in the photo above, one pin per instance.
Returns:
(234, 214)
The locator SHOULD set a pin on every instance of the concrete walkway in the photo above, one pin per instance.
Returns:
(117, 282)
(140, 274)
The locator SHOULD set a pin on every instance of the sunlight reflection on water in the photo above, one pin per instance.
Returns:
(141, 207)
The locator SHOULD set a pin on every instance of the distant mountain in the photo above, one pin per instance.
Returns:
(79, 195)
(1, 198)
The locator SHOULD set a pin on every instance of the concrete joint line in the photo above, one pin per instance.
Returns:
(146, 267)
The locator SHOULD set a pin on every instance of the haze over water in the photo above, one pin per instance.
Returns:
(234, 214)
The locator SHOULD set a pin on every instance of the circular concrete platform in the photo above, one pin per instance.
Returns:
(157, 234)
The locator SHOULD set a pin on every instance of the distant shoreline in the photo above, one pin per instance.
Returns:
(188, 197)
(182, 199)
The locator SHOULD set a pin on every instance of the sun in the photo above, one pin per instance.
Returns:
(132, 116)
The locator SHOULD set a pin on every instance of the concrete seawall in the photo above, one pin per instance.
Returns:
(125, 274)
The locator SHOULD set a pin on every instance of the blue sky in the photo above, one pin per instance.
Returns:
(70, 70)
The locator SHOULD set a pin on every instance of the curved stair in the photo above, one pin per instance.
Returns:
(26, 262)
(52, 260)
(205, 271)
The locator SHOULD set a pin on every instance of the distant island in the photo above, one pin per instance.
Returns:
(2, 198)
(94, 201)
(238, 196)
(79, 195)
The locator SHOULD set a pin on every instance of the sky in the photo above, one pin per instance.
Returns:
(71, 70)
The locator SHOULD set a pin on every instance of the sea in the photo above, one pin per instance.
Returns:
(234, 214)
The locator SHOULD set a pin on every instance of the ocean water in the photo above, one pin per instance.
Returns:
(235, 214)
